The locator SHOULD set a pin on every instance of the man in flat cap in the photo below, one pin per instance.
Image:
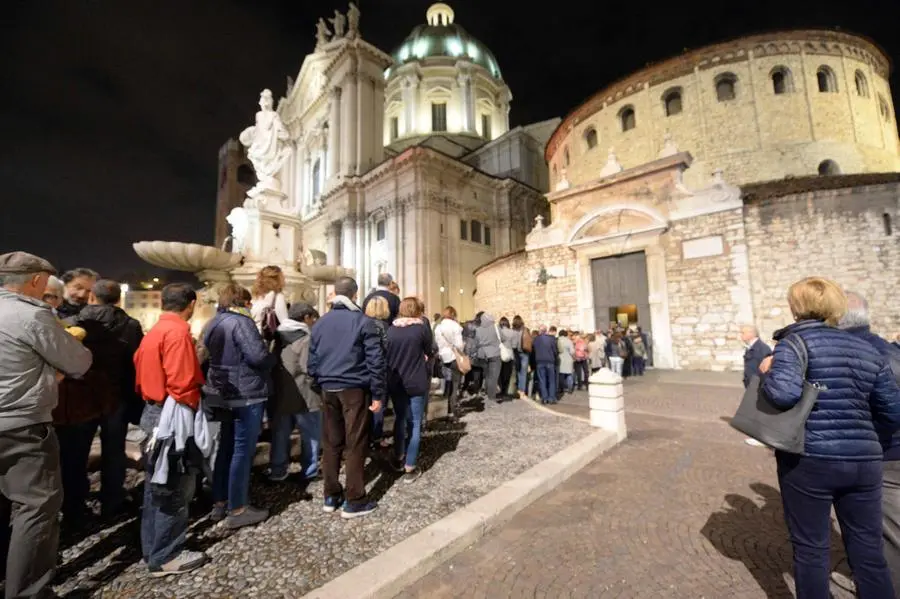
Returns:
(35, 351)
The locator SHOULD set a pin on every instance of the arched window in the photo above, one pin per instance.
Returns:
(782, 81)
(726, 87)
(829, 167)
(862, 85)
(672, 102)
(827, 80)
(627, 119)
(883, 109)
(590, 138)
(316, 187)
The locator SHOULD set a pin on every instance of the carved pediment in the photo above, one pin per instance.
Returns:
(615, 221)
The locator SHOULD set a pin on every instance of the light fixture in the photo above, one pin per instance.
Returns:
(124, 287)
(156, 279)
(443, 289)
(460, 291)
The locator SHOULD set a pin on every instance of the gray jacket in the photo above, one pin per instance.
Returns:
(566, 355)
(294, 393)
(34, 347)
(486, 339)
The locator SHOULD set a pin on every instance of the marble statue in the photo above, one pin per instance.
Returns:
(322, 33)
(268, 145)
(339, 22)
(353, 18)
(239, 222)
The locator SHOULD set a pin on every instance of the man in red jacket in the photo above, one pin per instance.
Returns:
(166, 366)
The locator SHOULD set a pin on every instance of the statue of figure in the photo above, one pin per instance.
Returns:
(339, 22)
(353, 18)
(267, 144)
(237, 218)
(322, 33)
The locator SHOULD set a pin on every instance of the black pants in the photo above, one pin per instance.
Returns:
(582, 373)
(890, 508)
(345, 427)
(506, 371)
(453, 389)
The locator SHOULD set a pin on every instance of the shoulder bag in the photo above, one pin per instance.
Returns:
(506, 354)
(463, 363)
(784, 430)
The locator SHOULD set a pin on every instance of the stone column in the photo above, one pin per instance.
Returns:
(307, 183)
(607, 401)
(350, 125)
(348, 238)
(410, 104)
(361, 252)
(334, 133)
(663, 354)
(365, 122)
(378, 122)
(333, 239)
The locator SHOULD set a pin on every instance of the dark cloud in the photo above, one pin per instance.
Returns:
(113, 112)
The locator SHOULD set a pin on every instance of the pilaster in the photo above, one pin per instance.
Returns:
(334, 133)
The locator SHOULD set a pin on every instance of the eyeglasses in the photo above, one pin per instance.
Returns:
(50, 296)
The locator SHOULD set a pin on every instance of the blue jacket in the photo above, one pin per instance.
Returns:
(891, 353)
(857, 391)
(753, 357)
(545, 349)
(239, 362)
(346, 352)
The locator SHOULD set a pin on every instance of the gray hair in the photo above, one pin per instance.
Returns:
(15, 280)
(384, 279)
(56, 284)
(857, 314)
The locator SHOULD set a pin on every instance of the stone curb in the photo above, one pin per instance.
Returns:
(391, 571)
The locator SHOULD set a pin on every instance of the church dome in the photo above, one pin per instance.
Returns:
(440, 37)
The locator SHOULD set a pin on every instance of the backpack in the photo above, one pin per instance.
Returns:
(526, 340)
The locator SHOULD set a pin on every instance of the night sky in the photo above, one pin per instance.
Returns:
(113, 111)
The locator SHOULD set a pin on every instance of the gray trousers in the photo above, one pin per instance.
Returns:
(890, 509)
(31, 493)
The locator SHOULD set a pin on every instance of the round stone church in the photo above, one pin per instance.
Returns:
(688, 196)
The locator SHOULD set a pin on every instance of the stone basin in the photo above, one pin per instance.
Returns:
(189, 257)
(326, 273)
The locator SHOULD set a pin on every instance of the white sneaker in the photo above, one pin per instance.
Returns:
(754, 443)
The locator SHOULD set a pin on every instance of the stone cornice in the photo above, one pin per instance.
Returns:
(679, 161)
(785, 42)
(357, 46)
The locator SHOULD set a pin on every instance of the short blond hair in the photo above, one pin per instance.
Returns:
(817, 298)
(377, 307)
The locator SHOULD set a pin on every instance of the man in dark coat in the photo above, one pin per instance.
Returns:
(384, 281)
(756, 351)
(856, 321)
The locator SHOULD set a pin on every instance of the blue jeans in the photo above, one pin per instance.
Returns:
(567, 382)
(809, 488)
(164, 520)
(521, 362)
(310, 425)
(231, 475)
(378, 420)
(546, 374)
(408, 414)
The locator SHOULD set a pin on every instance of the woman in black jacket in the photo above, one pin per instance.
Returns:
(410, 346)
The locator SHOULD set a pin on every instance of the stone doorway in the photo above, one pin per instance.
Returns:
(621, 291)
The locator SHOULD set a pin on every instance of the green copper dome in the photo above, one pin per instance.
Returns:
(441, 37)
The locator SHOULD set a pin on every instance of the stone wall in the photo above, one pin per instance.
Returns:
(835, 233)
(709, 296)
(509, 286)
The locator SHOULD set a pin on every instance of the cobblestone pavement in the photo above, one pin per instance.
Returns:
(684, 508)
(300, 548)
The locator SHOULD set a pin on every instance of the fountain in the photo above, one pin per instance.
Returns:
(265, 231)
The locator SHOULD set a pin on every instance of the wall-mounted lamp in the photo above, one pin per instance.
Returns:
(443, 289)
(460, 291)
(276, 226)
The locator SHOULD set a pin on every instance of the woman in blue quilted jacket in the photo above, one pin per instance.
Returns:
(841, 463)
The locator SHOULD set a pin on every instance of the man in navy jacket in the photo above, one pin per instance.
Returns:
(346, 360)
(546, 351)
(856, 321)
(756, 352)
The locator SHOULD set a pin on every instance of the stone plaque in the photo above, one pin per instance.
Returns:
(702, 247)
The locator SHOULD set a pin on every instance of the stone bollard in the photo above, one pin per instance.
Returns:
(607, 401)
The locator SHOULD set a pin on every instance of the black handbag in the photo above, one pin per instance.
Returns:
(759, 418)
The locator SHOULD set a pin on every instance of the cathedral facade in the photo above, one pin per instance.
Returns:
(405, 163)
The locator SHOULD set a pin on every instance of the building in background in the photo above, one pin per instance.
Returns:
(236, 177)
(405, 162)
(142, 301)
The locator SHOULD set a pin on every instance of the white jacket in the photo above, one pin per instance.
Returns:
(447, 335)
(177, 424)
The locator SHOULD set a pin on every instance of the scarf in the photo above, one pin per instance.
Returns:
(345, 302)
